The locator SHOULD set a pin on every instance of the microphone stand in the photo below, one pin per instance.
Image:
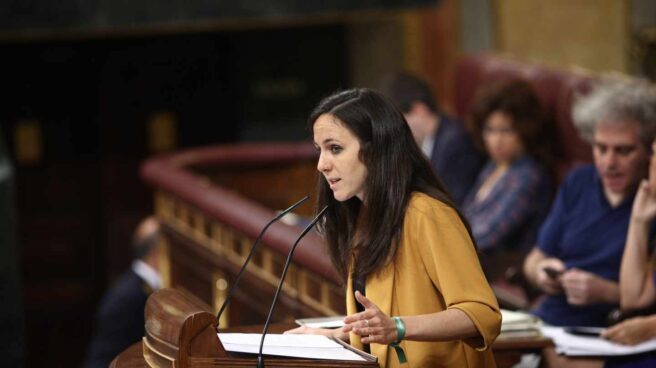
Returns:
(250, 255)
(260, 358)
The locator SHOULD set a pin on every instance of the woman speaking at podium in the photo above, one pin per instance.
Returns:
(416, 294)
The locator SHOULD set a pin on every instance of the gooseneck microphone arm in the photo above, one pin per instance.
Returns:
(260, 358)
(250, 255)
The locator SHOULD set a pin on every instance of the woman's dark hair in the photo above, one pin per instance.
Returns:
(395, 168)
(517, 99)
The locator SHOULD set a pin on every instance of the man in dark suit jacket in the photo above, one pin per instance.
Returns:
(442, 138)
(120, 317)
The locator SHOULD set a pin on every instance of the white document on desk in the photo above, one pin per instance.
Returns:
(322, 322)
(291, 345)
(573, 345)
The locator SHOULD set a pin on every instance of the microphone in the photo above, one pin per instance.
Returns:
(250, 255)
(260, 358)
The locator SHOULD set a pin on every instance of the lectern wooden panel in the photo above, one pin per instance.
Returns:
(180, 333)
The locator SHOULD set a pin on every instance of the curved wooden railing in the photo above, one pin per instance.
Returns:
(213, 202)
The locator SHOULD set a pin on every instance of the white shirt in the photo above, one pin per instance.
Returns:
(147, 273)
(427, 145)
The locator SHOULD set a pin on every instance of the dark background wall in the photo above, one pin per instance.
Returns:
(90, 102)
(11, 312)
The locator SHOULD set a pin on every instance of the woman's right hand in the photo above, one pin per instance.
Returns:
(337, 333)
(644, 205)
(549, 284)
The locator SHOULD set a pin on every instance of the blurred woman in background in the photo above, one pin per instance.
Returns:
(511, 195)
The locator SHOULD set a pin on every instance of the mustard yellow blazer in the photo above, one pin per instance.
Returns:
(435, 268)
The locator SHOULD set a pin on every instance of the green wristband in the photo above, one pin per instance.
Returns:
(400, 329)
(400, 334)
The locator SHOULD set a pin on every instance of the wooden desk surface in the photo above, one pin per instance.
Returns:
(507, 352)
(524, 343)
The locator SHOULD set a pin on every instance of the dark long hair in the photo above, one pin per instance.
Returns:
(395, 168)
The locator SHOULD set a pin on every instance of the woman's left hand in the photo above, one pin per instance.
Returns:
(630, 332)
(372, 325)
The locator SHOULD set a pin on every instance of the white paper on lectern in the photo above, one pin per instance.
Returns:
(573, 345)
(512, 317)
(291, 345)
(322, 322)
(513, 323)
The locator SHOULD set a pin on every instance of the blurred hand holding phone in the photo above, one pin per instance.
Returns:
(552, 272)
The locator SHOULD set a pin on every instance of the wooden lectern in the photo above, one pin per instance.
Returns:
(180, 333)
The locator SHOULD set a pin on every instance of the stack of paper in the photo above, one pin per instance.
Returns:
(322, 322)
(518, 325)
(574, 345)
(292, 345)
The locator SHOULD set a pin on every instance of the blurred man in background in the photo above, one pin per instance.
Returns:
(443, 139)
(579, 247)
(120, 317)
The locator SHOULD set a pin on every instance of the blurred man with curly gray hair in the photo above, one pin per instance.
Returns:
(576, 261)
(577, 257)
